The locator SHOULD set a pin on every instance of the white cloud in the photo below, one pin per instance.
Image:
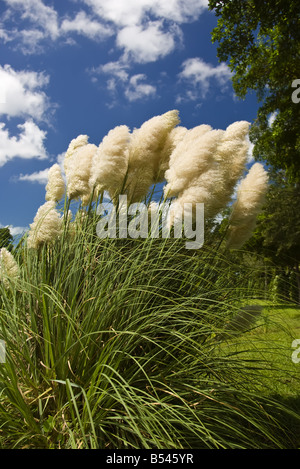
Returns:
(134, 12)
(119, 81)
(250, 157)
(22, 93)
(44, 21)
(86, 26)
(272, 118)
(141, 39)
(43, 16)
(30, 40)
(148, 43)
(200, 74)
(145, 29)
(180, 11)
(28, 144)
(115, 69)
(4, 35)
(15, 230)
(41, 177)
(137, 90)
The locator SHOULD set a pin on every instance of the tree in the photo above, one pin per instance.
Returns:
(6, 238)
(277, 235)
(260, 40)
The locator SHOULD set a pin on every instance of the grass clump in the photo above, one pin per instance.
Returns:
(114, 343)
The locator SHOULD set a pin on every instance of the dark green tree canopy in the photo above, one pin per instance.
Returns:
(278, 229)
(260, 41)
(277, 235)
(6, 238)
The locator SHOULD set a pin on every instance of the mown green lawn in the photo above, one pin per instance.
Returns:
(269, 346)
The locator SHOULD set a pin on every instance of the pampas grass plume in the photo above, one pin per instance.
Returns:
(46, 227)
(191, 158)
(145, 151)
(9, 268)
(110, 161)
(76, 143)
(55, 187)
(79, 172)
(250, 198)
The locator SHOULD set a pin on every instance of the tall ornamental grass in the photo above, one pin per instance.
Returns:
(115, 343)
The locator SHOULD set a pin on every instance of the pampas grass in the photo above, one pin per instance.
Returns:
(55, 187)
(115, 343)
(249, 201)
(47, 226)
(110, 162)
(79, 172)
(9, 268)
(146, 146)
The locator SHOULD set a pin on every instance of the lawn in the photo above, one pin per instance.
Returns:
(268, 345)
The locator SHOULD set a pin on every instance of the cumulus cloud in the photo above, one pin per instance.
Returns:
(117, 70)
(38, 13)
(86, 26)
(28, 144)
(22, 93)
(137, 89)
(119, 80)
(144, 29)
(148, 43)
(23, 98)
(41, 177)
(15, 230)
(199, 75)
(38, 23)
(133, 12)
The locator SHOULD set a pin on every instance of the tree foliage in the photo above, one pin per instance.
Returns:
(260, 40)
(277, 235)
(6, 238)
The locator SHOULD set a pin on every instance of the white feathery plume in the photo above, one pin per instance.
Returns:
(250, 198)
(205, 167)
(172, 140)
(110, 162)
(9, 268)
(145, 149)
(230, 160)
(76, 143)
(199, 191)
(55, 187)
(47, 226)
(192, 157)
(79, 172)
(232, 154)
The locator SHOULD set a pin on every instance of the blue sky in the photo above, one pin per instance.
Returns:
(71, 67)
